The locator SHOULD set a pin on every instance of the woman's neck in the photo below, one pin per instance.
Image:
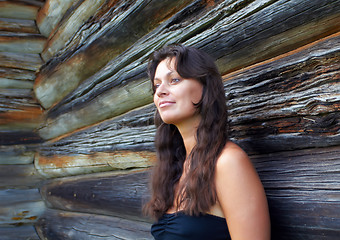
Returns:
(188, 132)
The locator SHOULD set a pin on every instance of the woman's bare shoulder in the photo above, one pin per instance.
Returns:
(232, 154)
(237, 185)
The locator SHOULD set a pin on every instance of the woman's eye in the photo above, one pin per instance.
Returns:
(175, 80)
(156, 86)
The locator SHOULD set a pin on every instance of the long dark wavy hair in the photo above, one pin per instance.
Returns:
(197, 190)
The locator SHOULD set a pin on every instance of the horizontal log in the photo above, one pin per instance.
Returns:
(21, 42)
(19, 177)
(11, 83)
(19, 9)
(287, 102)
(110, 194)
(301, 186)
(134, 131)
(18, 97)
(59, 166)
(19, 233)
(18, 25)
(21, 213)
(17, 74)
(285, 26)
(67, 225)
(133, 95)
(19, 110)
(17, 154)
(20, 206)
(26, 61)
(16, 196)
(303, 192)
(310, 73)
(131, 22)
(50, 15)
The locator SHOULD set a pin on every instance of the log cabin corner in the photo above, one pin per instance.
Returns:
(76, 111)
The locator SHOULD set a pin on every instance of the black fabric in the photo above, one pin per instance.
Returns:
(179, 226)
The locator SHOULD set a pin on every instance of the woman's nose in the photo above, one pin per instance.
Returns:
(162, 90)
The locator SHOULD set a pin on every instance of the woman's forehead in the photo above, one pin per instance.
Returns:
(166, 67)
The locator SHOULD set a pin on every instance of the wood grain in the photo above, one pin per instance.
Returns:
(19, 9)
(68, 225)
(26, 61)
(131, 23)
(19, 207)
(19, 233)
(301, 186)
(18, 25)
(15, 154)
(50, 15)
(59, 166)
(19, 177)
(288, 103)
(111, 194)
(19, 111)
(21, 42)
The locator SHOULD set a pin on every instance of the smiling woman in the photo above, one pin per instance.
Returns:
(203, 185)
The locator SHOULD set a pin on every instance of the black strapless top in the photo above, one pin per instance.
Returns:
(179, 226)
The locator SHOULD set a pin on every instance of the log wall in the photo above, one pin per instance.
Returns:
(21, 43)
(76, 112)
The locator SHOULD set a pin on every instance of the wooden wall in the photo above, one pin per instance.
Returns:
(76, 116)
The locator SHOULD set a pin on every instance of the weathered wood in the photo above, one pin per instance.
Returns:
(18, 25)
(59, 166)
(21, 42)
(26, 61)
(168, 34)
(69, 25)
(18, 134)
(19, 9)
(134, 130)
(133, 95)
(130, 23)
(67, 225)
(302, 189)
(18, 110)
(272, 28)
(18, 207)
(17, 154)
(19, 233)
(11, 83)
(50, 14)
(291, 102)
(17, 74)
(16, 99)
(130, 65)
(19, 176)
(110, 194)
(287, 103)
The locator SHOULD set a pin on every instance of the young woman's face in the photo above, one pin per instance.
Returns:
(175, 96)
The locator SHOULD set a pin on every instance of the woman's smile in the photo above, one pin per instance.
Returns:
(163, 104)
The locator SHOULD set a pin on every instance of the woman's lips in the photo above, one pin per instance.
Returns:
(165, 103)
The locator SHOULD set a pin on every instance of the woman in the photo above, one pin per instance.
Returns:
(203, 186)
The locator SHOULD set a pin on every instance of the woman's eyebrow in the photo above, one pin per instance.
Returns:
(167, 75)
